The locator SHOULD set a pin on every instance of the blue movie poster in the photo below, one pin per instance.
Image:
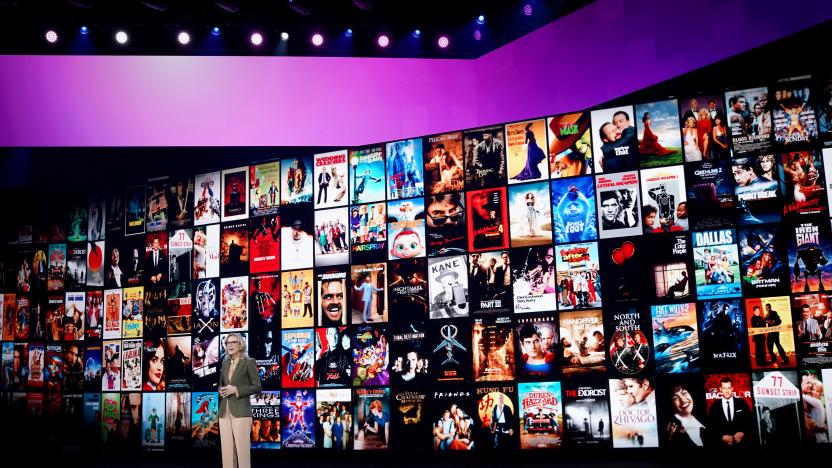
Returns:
(204, 419)
(367, 180)
(296, 180)
(153, 421)
(404, 169)
(573, 210)
(298, 418)
(717, 262)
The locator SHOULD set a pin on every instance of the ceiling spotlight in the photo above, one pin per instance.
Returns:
(51, 37)
(215, 31)
(85, 30)
(284, 36)
(184, 38)
(317, 40)
(348, 32)
(121, 37)
(417, 33)
(383, 41)
(481, 19)
(477, 35)
(443, 42)
(256, 39)
(527, 9)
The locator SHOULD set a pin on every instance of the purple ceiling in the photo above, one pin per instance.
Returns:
(606, 50)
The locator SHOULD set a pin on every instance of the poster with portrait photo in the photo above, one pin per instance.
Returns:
(681, 411)
(406, 228)
(446, 224)
(659, 141)
(770, 333)
(334, 407)
(484, 157)
(810, 314)
(496, 417)
(665, 200)
(404, 169)
(578, 275)
(206, 254)
(534, 279)
(97, 221)
(793, 113)
(207, 198)
(408, 289)
(367, 178)
(537, 346)
(331, 237)
(264, 244)
(722, 334)
(629, 347)
(368, 296)
(614, 140)
(619, 200)
(368, 232)
(297, 246)
(573, 204)
(487, 219)
(156, 258)
(296, 295)
(777, 401)
(371, 420)
(329, 187)
(740, 426)
(296, 180)
(444, 164)
(570, 145)
(234, 304)
(331, 296)
(530, 206)
(264, 188)
(525, 155)
(805, 183)
(333, 357)
(410, 358)
(134, 210)
(633, 412)
(94, 311)
(490, 282)
(762, 254)
(206, 308)
(235, 194)
(758, 189)
(448, 287)
(156, 192)
(749, 120)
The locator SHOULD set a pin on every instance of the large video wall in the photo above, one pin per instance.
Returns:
(650, 275)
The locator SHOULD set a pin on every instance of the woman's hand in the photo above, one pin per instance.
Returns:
(228, 390)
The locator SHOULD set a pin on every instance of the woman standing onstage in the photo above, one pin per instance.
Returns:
(238, 380)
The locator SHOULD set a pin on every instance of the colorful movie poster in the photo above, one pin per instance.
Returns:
(762, 251)
(297, 358)
(54, 318)
(777, 406)
(570, 145)
(670, 269)
(297, 419)
(497, 417)
(731, 420)
(525, 156)
(614, 140)
(578, 275)
(406, 227)
(633, 412)
(95, 264)
(408, 289)
(265, 424)
(757, 189)
(766, 328)
(331, 297)
(264, 188)
(234, 249)
(809, 251)
(452, 411)
(537, 346)
(805, 184)
(812, 318)
(94, 314)
(334, 411)
(682, 412)
(177, 419)
(659, 141)
(817, 410)
(134, 210)
(716, 259)
(665, 200)
(722, 333)
(264, 345)
(446, 224)
(368, 232)
(531, 214)
(234, 304)
(404, 169)
(153, 421)
(618, 204)
(53, 368)
(704, 128)
(582, 342)
(264, 244)
(711, 198)
(371, 356)
(484, 157)
(207, 203)
(534, 279)
(297, 238)
(586, 413)
(367, 178)
(131, 366)
(489, 282)
(179, 308)
(206, 252)
(330, 184)
(74, 316)
(448, 287)
(206, 295)
(205, 421)
(331, 237)
(296, 180)
(111, 363)
(157, 204)
(73, 368)
(629, 345)
(444, 169)
(296, 294)
(541, 415)
(234, 194)
(333, 359)
(368, 297)
(573, 204)
(493, 349)
(110, 417)
(487, 219)
(675, 338)
(371, 422)
(112, 313)
(57, 267)
(793, 113)
(749, 120)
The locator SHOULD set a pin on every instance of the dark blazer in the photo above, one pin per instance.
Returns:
(743, 421)
(247, 381)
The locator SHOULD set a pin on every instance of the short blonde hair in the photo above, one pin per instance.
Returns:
(243, 345)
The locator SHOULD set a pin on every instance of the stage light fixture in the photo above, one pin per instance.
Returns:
(284, 36)
(477, 35)
(215, 31)
(348, 32)
(481, 19)
(417, 33)
(301, 7)
(256, 39)
(184, 38)
(317, 40)
(51, 36)
(383, 41)
(85, 30)
(121, 37)
(231, 6)
(527, 9)
(443, 42)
